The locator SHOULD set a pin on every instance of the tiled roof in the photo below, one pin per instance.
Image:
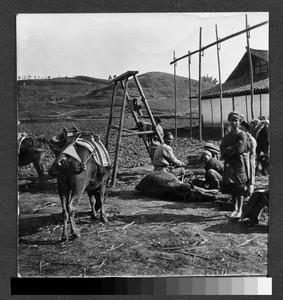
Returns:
(262, 54)
(235, 85)
(239, 86)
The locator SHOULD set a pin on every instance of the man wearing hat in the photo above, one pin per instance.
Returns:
(213, 149)
(214, 170)
(235, 177)
(164, 159)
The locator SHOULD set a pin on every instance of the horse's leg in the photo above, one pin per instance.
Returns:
(99, 196)
(92, 205)
(64, 196)
(76, 195)
(39, 169)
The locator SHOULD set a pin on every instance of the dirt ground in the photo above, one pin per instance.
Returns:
(144, 236)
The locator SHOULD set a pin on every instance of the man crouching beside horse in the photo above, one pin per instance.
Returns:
(83, 164)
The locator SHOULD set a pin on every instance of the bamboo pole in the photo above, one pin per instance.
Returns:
(220, 84)
(119, 133)
(190, 96)
(220, 41)
(175, 96)
(110, 115)
(260, 103)
(212, 113)
(138, 133)
(199, 85)
(124, 129)
(247, 108)
(251, 69)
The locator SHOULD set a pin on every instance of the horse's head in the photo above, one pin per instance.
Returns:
(66, 164)
(263, 159)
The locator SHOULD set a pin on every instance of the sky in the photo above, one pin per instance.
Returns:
(99, 45)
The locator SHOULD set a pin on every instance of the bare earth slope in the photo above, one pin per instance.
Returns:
(83, 96)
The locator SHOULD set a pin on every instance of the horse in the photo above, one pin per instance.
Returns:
(77, 169)
(31, 151)
(260, 131)
(257, 202)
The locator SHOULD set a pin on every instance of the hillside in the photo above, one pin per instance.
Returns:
(86, 97)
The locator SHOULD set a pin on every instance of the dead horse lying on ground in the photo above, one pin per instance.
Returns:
(168, 187)
(73, 177)
(31, 152)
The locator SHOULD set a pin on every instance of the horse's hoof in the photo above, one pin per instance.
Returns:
(104, 220)
(76, 235)
(64, 239)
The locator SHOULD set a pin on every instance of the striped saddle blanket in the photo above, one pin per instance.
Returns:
(94, 145)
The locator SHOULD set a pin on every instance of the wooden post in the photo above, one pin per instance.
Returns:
(110, 115)
(212, 119)
(190, 96)
(247, 111)
(260, 105)
(251, 69)
(199, 84)
(220, 84)
(119, 133)
(175, 95)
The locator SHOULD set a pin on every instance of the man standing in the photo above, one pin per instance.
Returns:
(250, 157)
(164, 159)
(235, 177)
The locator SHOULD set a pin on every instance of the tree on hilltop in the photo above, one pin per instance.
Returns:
(209, 79)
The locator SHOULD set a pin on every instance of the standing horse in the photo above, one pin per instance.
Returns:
(260, 131)
(77, 169)
(31, 151)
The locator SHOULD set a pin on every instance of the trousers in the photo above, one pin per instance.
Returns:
(214, 179)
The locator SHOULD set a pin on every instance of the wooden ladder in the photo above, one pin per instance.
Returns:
(123, 79)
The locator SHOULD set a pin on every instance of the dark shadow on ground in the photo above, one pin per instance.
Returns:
(29, 225)
(37, 242)
(31, 185)
(32, 224)
(237, 227)
(143, 218)
(225, 224)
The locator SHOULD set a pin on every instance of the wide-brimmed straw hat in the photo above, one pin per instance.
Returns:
(205, 153)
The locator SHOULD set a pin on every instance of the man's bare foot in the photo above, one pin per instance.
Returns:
(237, 215)
(233, 213)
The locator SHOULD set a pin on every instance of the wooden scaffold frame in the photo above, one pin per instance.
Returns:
(122, 132)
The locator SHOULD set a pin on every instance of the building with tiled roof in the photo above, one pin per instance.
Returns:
(236, 91)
